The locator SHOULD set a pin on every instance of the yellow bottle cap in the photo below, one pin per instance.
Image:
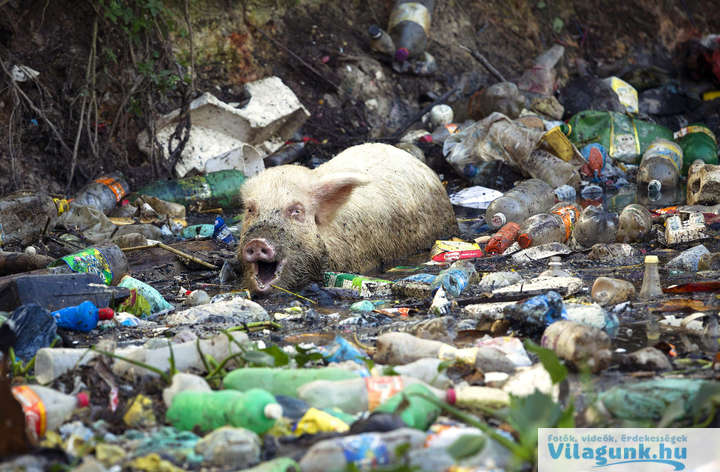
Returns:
(651, 259)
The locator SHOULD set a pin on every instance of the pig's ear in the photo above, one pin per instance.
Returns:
(331, 192)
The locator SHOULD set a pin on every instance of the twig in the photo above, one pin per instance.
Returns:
(298, 58)
(482, 60)
(420, 114)
(260, 325)
(174, 251)
(293, 293)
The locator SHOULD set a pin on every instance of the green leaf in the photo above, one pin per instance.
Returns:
(258, 358)
(558, 372)
(527, 414)
(706, 399)
(467, 445)
(674, 411)
(558, 24)
(305, 356)
(567, 420)
(280, 357)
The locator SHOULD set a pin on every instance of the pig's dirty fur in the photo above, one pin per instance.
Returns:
(371, 204)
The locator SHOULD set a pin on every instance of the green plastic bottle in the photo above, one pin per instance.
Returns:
(216, 189)
(256, 410)
(283, 381)
(625, 138)
(697, 142)
(416, 412)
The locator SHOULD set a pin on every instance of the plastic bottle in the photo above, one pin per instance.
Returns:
(565, 193)
(441, 133)
(107, 260)
(25, 218)
(289, 153)
(380, 41)
(544, 228)
(104, 193)
(634, 224)
(555, 269)
(455, 278)
(595, 225)
(282, 381)
(538, 311)
(156, 300)
(625, 138)
(415, 411)
(549, 168)
(660, 167)
(409, 27)
(540, 78)
(609, 291)
(651, 280)
(428, 370)
(478, 398)
(254, 409)
(364, 451)
(595, 157)
(357, 395)
(46, 409)
(697, 142)
(222, 234)
(527, 198)
(213, 190)
(578, 344)
(83, 317)
(503, 238)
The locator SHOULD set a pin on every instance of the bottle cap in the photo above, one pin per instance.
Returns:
(524, 240)
(273, 411)
(374, 31)
(441, 115)
(498, 220)
(83, 399)
(651, 260)
(426, 139)
(450, 396)
(402, 54)
(105, 313)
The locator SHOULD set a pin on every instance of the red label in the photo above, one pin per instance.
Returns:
(457, 255)
(34, 409)
(380, 389)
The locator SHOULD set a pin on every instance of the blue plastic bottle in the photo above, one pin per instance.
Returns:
(83, 317)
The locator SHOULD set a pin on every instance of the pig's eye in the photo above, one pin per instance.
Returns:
(295, 211)
(250, 208)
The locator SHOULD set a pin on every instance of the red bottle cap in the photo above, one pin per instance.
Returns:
(105, 313)
(83, 399)
(450, 396)
(426, 139)
(524, 240)
(402, 54)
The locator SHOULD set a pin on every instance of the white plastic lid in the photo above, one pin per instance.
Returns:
(651, 259)
(441, 115)
(273, 411)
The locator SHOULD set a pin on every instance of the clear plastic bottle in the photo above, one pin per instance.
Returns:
(609, 291)
(635, 223)
(363, 451)
(544, 228)
(282, 381)
(357, 395)
(46, 409)
(549, 168)
(595, 225)
(578, 344)
(651, 279)
(104, 193)
(660, 168)
(455, 278)
(527, 198)
(555, 269)
(540, 78)
(409, 27)
(380, 41)
(107, 260)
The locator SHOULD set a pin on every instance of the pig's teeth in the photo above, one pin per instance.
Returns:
(267, 272)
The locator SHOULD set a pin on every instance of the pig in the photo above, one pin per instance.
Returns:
(369, 205)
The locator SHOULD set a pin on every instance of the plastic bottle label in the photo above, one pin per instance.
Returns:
(91, 261)
(365, 451)
(115, 187)
(560, 144)
(411, 11)
(34, 409)
(668, 150)
(380, 389)
(694, 129)
(569, 215)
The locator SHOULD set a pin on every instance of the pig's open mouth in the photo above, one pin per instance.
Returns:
(266, 273)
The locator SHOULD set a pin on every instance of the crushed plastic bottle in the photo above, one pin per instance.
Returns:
(635, 223)
(455, 278)
(537, 312)
(595, 225)
(578, 344)
(104, 193)
(610, 291)
(46, 409)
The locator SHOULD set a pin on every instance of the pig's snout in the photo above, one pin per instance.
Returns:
(258, 250)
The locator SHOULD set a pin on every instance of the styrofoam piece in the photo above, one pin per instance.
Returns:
(225, 137)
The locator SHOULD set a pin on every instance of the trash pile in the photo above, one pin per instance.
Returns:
(303, 324)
